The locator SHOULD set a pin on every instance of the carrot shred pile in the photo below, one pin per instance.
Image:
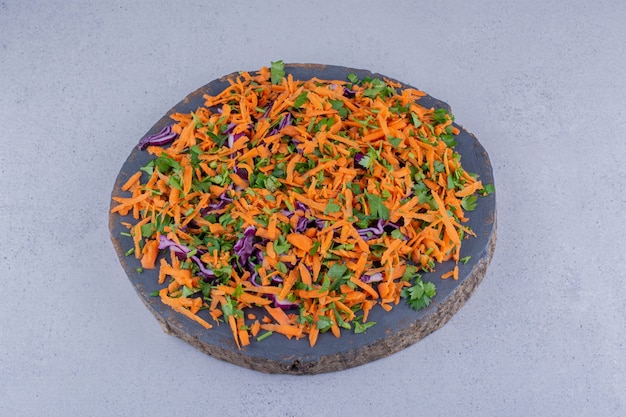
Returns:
(311, 200)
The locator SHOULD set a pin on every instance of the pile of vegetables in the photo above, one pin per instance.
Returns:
(313, 201)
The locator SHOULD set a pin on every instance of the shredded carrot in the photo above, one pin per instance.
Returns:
(278, 314)
(149, 254)
(305, 200)
(300, 241)
(286, 329)
(255, 328)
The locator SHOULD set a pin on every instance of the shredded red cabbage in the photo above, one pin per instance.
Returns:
(358, 157)
(283, 123)
(303, 222)
(374, 232)
(302, 225)
(283, 304)
(164, 137)
(232, 138)
(377, 277)
(267, 112)
(242, 173)
(182, 252)
(349, 93)
(222, 202)
(244, 247)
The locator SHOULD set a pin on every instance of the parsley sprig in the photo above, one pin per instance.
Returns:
(421, 293)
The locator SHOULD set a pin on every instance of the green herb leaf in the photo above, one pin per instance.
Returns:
(148, 168)
(277, 72)
(451, 183)
(340, 321)
(325, 284)
(353, 78)
(281, 267)
(395, 142)
(196, 121)
(397, 234)
(229, 308)
(281, 245)
(195, 153)
(332, 207)
(441, 116)
(205, 287)
(324, 324)
(174, 182)
(314, 248)
(448, 139)
(377, 87)
(339, 106)
(337, 271)
(147, 230)
(218, 139)
(362, 327)
(238, 291)
(488, 189)
(186, 292)
(415, 120)
(377, 207)
(366, 161)
(226, 219)
(300, 100)
(336, 104)
(339, 274)
(424, 195)
(271, 183)
(356, 188)
(223, 273)
(410, 273)
(419, 295)
(164, 163)
(469, 202)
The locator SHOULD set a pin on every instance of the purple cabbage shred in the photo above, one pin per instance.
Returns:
(358, 157)
(242, 173)
(267, 112)
(164, 137)
(244, 247)
(349, 93)
(374, 232)
(283, 123)
(302, 225)
(283, 304)
(232, 138)
(377, 277)
(182, 253)
(223, 201)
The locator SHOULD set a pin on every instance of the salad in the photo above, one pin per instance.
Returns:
(294, 207)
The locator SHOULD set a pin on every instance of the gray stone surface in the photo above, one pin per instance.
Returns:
(540, 83)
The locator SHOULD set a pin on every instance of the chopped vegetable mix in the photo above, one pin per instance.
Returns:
(313, 200)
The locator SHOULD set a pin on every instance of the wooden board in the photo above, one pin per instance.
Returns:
(394, 330)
